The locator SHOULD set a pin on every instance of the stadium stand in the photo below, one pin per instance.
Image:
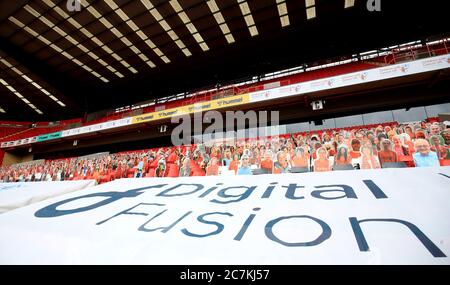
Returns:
(389, 145)
(203, 96)
(314, 71)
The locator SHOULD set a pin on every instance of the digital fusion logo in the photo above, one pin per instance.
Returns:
(160, 218)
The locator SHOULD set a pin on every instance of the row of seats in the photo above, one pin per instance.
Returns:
(365, 147)
(290, 79)
(8, 132)
(31, 132)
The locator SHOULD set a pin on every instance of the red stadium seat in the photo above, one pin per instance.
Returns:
(198, 172)
(172, 170)
(105, 178)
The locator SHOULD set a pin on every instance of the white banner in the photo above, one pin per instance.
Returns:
(18, 142)
(97, 127)
(19, 194)
(386, 216)
(365, 76)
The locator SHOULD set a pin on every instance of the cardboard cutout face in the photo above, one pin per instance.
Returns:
(420, 134)
(386, 145)
(368, 160)
(321, 163)
(446, 135)
(434, 129)
(436, 140)
(366, 151)
(356, 145)
(244, 161)
(282, 160)
(422, 146)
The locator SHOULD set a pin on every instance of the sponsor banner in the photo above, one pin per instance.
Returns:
(230, 101)
(395, 70)
(18, 142)
(325, 83)
(143, 118)
(385, 216)
(20, 194)
(71, 132)
(115, 124)
(439, 61)
(199, 107)
(355, 77)
(375, 74)
(276, 93)
(169, 113)
(97, 127)
(157, 115)
(47, 137)
(193, 108)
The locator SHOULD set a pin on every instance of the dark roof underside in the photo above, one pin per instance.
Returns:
(159, 49)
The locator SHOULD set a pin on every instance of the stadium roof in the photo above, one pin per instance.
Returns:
(56, 63)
